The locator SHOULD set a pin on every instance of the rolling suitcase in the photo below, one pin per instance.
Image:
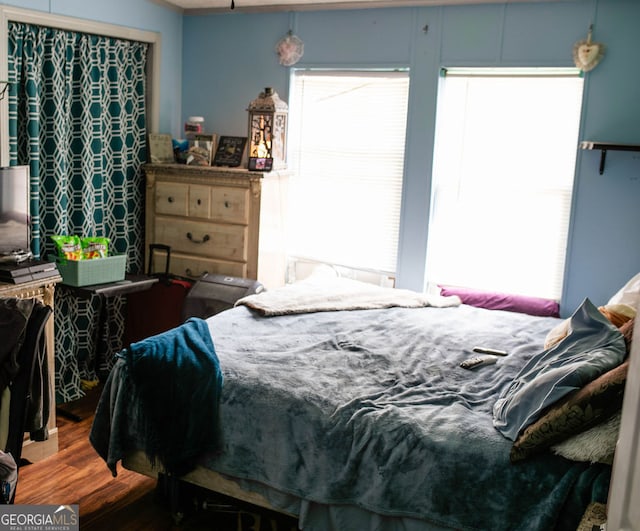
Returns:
(159, 308)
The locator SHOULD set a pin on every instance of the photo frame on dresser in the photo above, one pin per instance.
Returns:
(201, 149)
(230, 151)
(260, 164)
(160, 148)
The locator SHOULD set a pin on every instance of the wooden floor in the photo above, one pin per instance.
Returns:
(128, 502)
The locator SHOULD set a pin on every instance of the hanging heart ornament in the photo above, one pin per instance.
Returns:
(587, 54)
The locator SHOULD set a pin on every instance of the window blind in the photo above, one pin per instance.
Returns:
(346, 148)
(504, 164)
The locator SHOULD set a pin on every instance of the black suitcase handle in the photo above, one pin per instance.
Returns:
(159, 247)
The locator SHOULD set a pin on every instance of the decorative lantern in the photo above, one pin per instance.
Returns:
(267, 132)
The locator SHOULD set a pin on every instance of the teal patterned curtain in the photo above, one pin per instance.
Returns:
(77, 118)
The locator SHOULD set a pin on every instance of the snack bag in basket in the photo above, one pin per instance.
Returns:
(94, 247)
(68, 247)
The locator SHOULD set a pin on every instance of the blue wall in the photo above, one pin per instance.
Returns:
(214, 65)
(229, 58)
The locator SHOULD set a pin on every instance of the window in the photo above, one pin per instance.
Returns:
(346, 149)
(504, 164)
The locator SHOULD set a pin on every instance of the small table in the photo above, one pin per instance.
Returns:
(130, 284)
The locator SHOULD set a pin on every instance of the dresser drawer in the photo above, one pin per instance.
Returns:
(171, 198)
(228, 242)
(230, 204)
(195, 267)
(199, 201)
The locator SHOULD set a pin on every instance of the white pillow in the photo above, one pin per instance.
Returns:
(628, 294)
(596, 445)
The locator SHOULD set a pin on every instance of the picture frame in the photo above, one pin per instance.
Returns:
(201, 148)
(230, 151)
(260, 164)
(160, 148)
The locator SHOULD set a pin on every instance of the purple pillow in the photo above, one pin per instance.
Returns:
(504, 301)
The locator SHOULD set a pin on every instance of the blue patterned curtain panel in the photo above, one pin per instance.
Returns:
(77, 118)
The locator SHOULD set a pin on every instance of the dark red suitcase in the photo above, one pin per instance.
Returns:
(159, 308)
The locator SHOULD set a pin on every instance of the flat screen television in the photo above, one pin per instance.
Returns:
(15, 221)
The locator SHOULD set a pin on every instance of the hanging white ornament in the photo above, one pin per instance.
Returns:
(289, 49)
(587, 54)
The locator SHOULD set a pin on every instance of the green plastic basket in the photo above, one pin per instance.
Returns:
(95, 271)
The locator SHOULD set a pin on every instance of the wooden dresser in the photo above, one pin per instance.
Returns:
(218, 220)
(43, 290)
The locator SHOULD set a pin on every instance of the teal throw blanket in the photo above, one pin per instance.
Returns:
(177, 381)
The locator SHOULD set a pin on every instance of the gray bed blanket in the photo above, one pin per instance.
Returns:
(370, 409)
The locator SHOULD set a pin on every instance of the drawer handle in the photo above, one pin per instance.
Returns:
(170, 199)
(205, 238)
(199, 201)
(226, 204)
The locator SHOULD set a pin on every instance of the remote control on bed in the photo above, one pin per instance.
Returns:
(478, 361)
(485, 350)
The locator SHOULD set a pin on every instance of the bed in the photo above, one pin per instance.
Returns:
(349, 410)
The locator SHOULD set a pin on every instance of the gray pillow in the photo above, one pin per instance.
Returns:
(592, 347)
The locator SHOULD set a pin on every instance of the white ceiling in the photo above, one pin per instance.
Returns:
(211, 6)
